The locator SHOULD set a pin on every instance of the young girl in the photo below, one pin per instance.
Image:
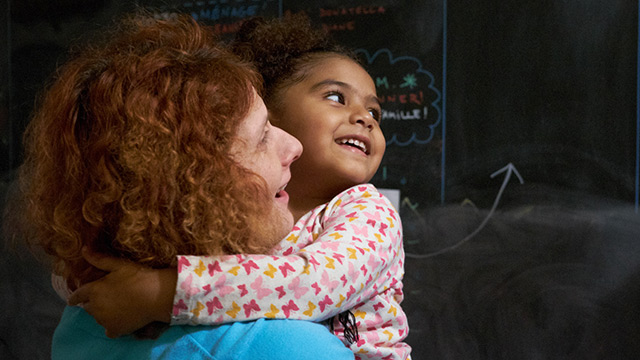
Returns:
(345, 251)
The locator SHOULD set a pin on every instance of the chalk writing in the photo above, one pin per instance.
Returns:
(411, 109)
(349, 25)
(225, 16)
(218, 12)
(413, 98)
(414, 114)
(357, 10)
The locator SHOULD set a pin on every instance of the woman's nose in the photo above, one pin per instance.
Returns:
(291, 148)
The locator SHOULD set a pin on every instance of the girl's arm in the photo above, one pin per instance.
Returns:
(129, 297)
(356, 236)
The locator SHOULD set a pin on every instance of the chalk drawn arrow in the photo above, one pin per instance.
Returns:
(408, 203)
(510, 170)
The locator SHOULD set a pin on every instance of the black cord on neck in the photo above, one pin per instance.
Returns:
(348, 321)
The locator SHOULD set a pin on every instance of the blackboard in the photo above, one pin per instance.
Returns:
(504, 120)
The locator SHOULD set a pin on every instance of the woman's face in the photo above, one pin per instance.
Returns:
(268, 151)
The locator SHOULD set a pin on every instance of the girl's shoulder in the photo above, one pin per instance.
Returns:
(362, 196)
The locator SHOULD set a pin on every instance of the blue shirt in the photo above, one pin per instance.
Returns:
(78, 336)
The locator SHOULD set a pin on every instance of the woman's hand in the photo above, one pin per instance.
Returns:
(129, 297)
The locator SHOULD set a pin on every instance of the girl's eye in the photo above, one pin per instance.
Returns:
(375, 113)
(335, 96)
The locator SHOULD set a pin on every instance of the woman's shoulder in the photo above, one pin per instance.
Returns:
(79, 337)
(271, 339)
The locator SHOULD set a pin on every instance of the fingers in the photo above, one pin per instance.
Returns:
(81, 295)
(101, 261)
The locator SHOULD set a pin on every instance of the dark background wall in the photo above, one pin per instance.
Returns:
(468, 87)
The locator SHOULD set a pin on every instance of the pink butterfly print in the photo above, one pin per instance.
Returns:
(243, 290)
(370, 279)
(338, 257)
(260, 291)
(298, 290)
(352, 215)
(312, 260)
(377, 306)
(330, 284)
(373, 323)
(388, 357)
(372, 336)
(251, 306)
(286, 267)
(351, 291)
(213, 304)
(330, 245)
(360, 230)
(364, 269)
(372, 245)
(383, 226)
(353, 273)
(362, 188)
(187, 288)
(289, 251)
(316, 287)
(182, 262)
(281, 292)
(249, 265)
(400, 320)
(372, 218)
(350, 191)
(221, 289)
(344, 280)
(178, 307)
(340, 227)
(324, 302)
(288, 307)
(373, 262)
(340, 212)
(214, 267)
(207, 289)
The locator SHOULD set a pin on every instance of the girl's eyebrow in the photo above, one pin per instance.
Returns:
(323, 83)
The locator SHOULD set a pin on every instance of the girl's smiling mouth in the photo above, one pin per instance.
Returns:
(355, 142)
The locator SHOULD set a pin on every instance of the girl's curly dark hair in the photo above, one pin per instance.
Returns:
(283, 50)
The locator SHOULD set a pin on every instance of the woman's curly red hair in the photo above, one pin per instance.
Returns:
(128, 152)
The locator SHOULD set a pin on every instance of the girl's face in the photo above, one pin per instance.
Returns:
(334, 111)
(268, 151)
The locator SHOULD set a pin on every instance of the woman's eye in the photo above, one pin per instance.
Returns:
(265, 134)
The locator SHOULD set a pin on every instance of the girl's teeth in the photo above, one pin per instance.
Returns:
(356, 143)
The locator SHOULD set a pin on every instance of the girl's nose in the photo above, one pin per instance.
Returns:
(363, 117)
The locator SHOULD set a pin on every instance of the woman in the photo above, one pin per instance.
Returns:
(154, 144)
